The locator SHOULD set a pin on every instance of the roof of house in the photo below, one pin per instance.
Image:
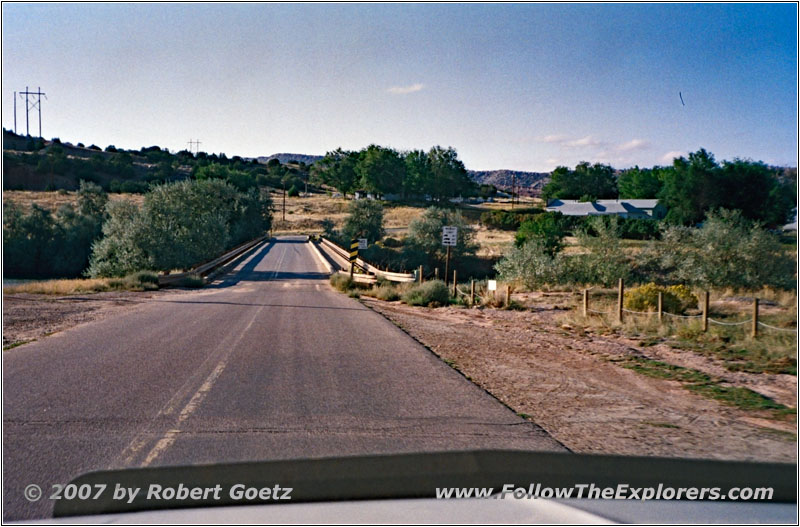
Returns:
(571, 207)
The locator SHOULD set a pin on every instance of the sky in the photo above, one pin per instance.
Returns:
(509, 86)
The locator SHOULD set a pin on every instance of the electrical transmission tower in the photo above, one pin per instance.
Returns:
(196, 144)
(33, 101)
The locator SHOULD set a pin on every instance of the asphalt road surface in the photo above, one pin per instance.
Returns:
(267, 363)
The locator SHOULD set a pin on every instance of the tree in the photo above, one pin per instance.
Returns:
(448, 175)
(381, 170)
(691, 188)
(587, 183)
(755, 190)
(365, 220)
(419, 177)
(549, 229)
(639, 183)
(425, 233)
(337, 169)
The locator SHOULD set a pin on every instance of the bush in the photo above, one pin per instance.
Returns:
(293, 192)
(341, 282)
(675, 299)
(549, 228)
(728, 251)
(144, 277)
(531, 265)
(387, 292)
(606, 261)
(508, 220)
(433, 294)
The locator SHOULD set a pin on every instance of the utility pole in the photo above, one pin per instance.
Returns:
(15, 112)
(27, 128)
(35, 104)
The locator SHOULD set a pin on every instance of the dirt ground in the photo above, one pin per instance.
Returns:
(28, 317)
(53, 200)
(565, 383)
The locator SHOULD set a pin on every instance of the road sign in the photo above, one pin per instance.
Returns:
(449, 236)
(492, 285)
(353, 250)
(362, 243)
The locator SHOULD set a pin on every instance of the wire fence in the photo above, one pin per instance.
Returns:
(620, 310)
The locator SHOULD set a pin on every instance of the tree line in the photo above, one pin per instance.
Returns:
(691, 188)
(179, 225)
(437, 173)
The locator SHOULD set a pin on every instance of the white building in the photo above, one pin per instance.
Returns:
(625, 208)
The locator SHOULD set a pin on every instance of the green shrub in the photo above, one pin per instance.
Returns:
(550, 228)
(531, 265)
(293, 192)
(341, 282)
(387, 292)
(433, 294)
(675, 299)
(508, 220)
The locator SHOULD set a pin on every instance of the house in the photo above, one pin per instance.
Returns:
(625, 208)
(792, 226)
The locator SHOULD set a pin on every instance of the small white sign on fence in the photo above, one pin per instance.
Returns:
(362, 244)
(449, 236)
(492, 285)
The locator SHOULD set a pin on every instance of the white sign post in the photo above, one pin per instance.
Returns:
(449, 236)
(449, 239)
(362, 244)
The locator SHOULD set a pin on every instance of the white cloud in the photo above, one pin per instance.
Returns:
(403, 90)
(555, 138)
(634, 144)
(584, 141)
(669, 156)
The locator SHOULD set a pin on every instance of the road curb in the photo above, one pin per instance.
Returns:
(321, 258)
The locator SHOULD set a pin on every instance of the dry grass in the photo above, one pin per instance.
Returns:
(134, 282)
(60, 287)
(493, 242)
(53, 200)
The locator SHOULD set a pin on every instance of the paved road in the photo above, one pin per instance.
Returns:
(268, 363)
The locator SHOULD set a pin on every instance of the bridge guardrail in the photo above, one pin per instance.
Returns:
(341, 257)
(208, 267)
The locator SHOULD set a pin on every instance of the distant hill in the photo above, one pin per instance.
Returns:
(285, 158)
(527, 182)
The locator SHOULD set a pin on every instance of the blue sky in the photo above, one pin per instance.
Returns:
(517, 86)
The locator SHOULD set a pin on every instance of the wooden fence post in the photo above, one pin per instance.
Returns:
(660, 307)
(705, 311)
(472, 293)
(508, 295)
(755, 318)
(585, 302)
(436, 274)
(421, 279)
(455, 284)
(619, 300)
